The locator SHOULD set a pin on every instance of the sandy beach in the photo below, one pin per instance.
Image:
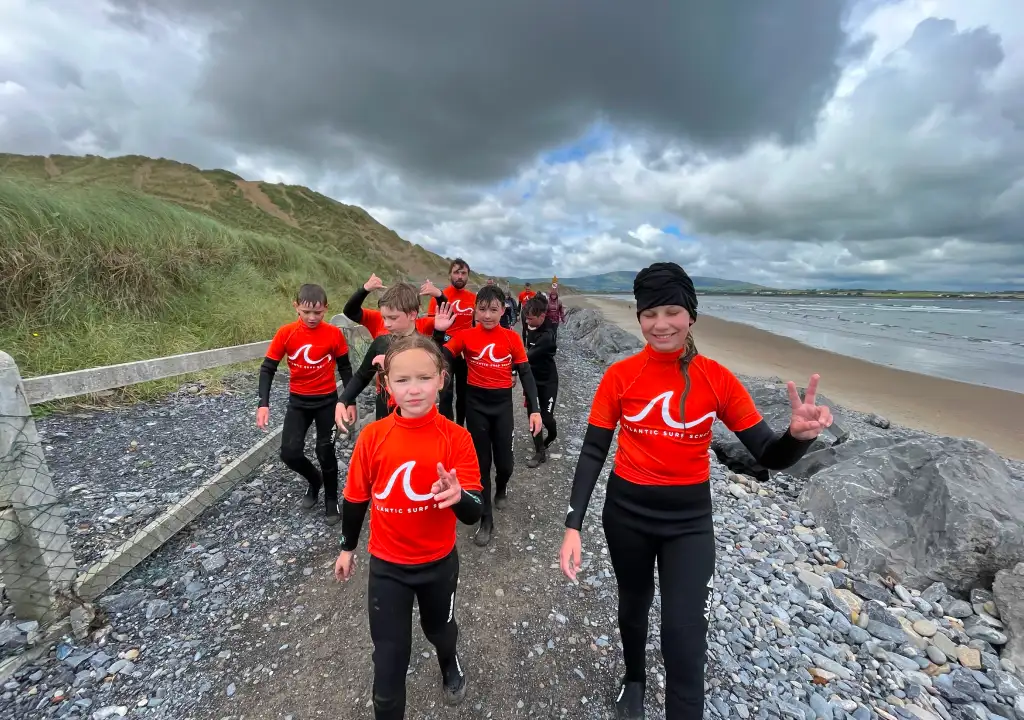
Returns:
(944, 407)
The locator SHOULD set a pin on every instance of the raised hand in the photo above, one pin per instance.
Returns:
(428, 288)
(378, 360)
(444, 317)
(447, 490)
(808, 419)
(374, 283)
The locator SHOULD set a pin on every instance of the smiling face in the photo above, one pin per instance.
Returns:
(489, 314)
(414, 378)
(665, 327)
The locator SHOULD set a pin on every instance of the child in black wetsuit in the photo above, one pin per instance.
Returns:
(541, 347)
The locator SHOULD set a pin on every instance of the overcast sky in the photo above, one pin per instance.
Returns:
(791, 143)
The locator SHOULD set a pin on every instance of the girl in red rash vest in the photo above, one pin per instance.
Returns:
(420, 472)
(491, 352)
(664, 399)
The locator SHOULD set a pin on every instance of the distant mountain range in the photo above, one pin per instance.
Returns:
(622, 281)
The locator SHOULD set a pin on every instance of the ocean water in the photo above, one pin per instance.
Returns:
(974, 341)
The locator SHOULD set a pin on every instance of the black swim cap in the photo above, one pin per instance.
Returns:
(664, 283)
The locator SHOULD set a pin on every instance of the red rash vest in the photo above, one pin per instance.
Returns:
(393, 467)
(641, 394)
(490, 355)
(311, 356)
(463, 305)
(373, 321)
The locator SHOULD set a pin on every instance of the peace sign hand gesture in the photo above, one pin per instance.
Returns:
(808, 419)
(447, 490)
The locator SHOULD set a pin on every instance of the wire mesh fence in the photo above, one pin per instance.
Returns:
(86, 497)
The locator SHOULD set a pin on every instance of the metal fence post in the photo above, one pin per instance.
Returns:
(37, 563)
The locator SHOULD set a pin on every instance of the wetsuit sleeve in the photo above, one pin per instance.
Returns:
(604, 417)
(267, 371)
(363, 374)
(356, 494)
(772, 450)
(529, 387)
(467, 469)
(596, 443)
(353, 309)
(345, 369)
(269, 367)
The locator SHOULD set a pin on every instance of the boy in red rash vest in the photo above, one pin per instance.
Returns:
(664, 399)
(373, 320)
(398, 308)
(314, 349)
(419, 470)
(491, 352)
(462, 303)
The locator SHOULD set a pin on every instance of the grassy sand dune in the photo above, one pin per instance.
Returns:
(112, 260)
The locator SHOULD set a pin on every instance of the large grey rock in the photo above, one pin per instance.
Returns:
(606, 342)
(933, 509)
(1008, 589)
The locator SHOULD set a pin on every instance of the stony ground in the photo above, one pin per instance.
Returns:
(268, 633)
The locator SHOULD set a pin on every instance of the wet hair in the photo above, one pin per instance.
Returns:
(416, 341)
(489, 294)
(458, 263)
(402, 297)
(535, 306)
(310, 294)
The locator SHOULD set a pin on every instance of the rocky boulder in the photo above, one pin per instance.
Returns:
(605, 341)
(1008, 591)
(931, 509)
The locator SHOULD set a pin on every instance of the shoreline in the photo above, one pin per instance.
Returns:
(936, 405)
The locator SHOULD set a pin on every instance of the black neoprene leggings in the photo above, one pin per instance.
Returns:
(490, 422)
(297, 419)
(454, 393)
(547, 393)
(391, 591)
(673, 527)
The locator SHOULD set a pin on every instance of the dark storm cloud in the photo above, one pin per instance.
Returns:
(930, 148)
(470, 90)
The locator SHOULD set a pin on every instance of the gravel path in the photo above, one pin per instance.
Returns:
(269, 634)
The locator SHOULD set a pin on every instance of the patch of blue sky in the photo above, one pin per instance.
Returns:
(597, 137)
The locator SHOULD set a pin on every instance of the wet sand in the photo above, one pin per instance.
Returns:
(936, 405)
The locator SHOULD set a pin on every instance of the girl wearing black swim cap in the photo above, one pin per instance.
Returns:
(664, 400)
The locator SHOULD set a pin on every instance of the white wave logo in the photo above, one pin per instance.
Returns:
(489, 352)
(665, 398)
(405, 470)
(457, 308)
(304, 351)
